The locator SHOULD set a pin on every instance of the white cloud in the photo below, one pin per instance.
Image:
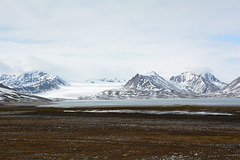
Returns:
(81, 39)
(4, 68)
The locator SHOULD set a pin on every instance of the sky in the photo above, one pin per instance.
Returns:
(87, 39)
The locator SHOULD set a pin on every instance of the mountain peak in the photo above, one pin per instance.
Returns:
(150, 81)
(152, 73)
(190, 73)
(144, 86)
(36, 73)
(196, 83)
(184, 77)
(209, 77)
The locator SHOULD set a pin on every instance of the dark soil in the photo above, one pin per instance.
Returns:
(51, 133)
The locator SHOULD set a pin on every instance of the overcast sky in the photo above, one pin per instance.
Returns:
(84, 39)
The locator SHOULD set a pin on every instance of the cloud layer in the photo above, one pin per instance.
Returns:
(91, 39)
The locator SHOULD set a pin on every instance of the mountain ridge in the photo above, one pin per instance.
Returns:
(231, 90)
(197, 83)
(9, 95)
(143, 86)
(214, 80)
(32, 82)
(151, 85)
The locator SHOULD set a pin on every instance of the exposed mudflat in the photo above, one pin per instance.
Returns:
(82, 133)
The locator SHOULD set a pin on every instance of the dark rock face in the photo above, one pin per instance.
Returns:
(5, 87)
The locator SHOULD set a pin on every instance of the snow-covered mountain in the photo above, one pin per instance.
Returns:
(9, 95)
(231, 90)
(32, 82)
(185, 85)
(210, 77)
(106, 80)
(233, 86)
(151, 81)
(144, 86)
(204, 83)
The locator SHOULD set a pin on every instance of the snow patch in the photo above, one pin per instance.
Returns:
(152, 112)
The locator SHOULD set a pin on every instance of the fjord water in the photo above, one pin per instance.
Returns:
(146, 102)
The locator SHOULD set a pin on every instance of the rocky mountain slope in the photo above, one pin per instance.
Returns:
(231, 90)
(9, 95)
(194, 83)
(151, 81)
(210, 77)
(185, 85)
(32, 82)
(144, 86)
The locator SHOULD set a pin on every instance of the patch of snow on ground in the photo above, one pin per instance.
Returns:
(152, 112)
(75, 90)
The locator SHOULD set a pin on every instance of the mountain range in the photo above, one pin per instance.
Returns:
(144, 86)
(185, 85)
(32, 82)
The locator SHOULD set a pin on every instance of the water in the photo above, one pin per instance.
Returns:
(146, 102)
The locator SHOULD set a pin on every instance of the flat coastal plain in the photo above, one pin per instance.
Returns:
(131, 133)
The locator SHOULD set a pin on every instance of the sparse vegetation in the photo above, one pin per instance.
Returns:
(50, 133)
